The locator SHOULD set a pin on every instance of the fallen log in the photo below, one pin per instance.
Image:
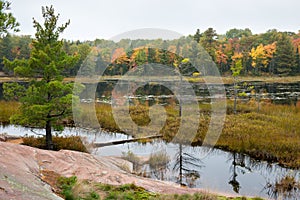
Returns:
(98, 145)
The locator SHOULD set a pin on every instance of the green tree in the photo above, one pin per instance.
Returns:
(12, 46)
(197, 36)
(284, 59)
(83, 50)
(5, 50)
(48, 99)
(236, 70)
(7, 20)
(238, 33)
(297, 69)
(208, 41)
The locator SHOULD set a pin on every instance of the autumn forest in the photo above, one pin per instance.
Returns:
(265, 54)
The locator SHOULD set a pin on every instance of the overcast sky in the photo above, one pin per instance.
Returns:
(91, 19)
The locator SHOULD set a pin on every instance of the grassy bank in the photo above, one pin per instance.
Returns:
(272, 134)
(266, 79)
(226, 79)
(72, 189)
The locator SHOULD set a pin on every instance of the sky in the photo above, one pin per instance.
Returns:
(104, 19)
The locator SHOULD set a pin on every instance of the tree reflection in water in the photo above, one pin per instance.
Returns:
(238, 163)
(188, 166)
(158, 163)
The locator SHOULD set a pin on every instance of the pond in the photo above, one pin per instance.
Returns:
(282, 93)
(210, 169)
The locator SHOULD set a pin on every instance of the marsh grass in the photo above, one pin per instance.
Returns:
(287, 186)
(7, 109)
(60, 142)
(272, 134)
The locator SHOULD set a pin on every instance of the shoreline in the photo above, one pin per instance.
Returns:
(69, 163)
(225, 79)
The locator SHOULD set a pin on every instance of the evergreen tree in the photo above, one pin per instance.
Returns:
(5, 50)
(197, 36)
(297, 69)
(208, 41)
(238, 33)
(284, 59)
(48, 99)
(7, 20)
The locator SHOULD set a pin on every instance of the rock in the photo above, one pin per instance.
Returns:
(4, 137)
(23, 169)
(19, 174)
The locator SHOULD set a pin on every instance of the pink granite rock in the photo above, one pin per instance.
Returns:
(21, 171)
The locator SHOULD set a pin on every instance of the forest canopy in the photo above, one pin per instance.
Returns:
(270, 53)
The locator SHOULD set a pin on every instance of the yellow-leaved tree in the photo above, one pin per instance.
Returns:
(262, 56)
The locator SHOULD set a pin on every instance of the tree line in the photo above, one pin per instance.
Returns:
(269, 53)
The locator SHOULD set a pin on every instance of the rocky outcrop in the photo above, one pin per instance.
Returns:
(20, 176)
(22, 168)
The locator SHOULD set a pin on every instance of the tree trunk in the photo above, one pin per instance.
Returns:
(180, 164)
(235, 97)
(258, 101)
(49, 143)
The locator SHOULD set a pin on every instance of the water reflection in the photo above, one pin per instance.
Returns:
(220, 171)
(188, 166)
(283, 93)
(158, 164)
(286, 187)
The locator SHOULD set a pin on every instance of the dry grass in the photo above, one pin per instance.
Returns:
(7, 109)
(226, 79)
(272, 134)
(60, 142)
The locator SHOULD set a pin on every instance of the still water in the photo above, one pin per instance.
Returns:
(210, 169)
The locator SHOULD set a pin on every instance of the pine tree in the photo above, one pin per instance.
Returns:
(7, 20)
(48, 99)
(284, 59)
(208, 41)
(197, 36)
(297, 69)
